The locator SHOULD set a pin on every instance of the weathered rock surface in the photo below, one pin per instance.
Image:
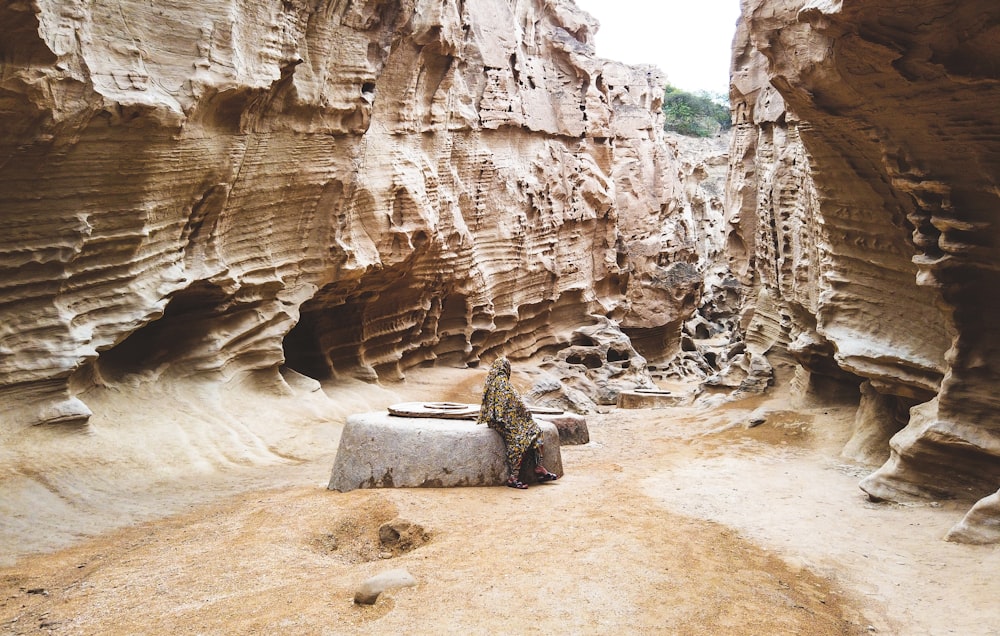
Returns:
(369, 591)
(597, 364)
(348, 189)
(400, 536)
(378, 450)
(863, 210)
(572, 428)
(879, 417)
(648, 399)
(981, 525)
(703, 337)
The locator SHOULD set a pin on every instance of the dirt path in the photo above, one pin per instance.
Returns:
(669, 522)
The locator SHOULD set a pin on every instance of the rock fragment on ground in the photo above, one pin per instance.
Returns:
(572, 428)
(757, 418)
(400, 536)
(371, 589)
(981, 524)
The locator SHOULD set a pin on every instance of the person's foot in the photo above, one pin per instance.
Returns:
(544, 475)
(512, 482)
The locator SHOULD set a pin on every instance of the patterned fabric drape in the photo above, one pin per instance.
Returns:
(505, 412)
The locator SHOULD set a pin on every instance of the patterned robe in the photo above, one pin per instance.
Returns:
(505, 412)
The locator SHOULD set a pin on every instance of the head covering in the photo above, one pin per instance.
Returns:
(498, 394)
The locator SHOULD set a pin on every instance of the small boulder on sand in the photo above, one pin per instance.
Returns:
(370, 590)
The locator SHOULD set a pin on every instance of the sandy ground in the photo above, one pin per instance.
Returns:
(164, 520)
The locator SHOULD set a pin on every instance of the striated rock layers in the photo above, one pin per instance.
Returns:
(347, 188)
(864, 204)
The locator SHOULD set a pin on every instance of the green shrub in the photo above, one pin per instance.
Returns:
(694, 115)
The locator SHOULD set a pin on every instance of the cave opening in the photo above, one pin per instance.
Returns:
(326, 341)
(702, 332)
(454, 329)
(377, 327)
(656, 344)
(712, 359)
(302, 351)
(582, 340)
(187, 321)
(589, 359)
(619, 355)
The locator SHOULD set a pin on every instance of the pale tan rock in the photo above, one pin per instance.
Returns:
(981, 525)
(369, 591)
(648, 399)
(829, 268)
(440, 410)
(862, 205)
(378, 450)
(347, 190)
(599, 362)
(572, 427)
(879, 417)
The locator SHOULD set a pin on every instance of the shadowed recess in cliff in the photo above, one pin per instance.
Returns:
(187, 322)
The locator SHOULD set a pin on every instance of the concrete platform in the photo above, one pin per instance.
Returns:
(572, 427)
(380, 450)
(438, 410)
(647, 399)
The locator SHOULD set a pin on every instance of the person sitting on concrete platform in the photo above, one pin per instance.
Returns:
(505, 412)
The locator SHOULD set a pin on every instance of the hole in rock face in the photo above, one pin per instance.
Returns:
(382, 324)
(479, 337)
(589, 360)
(657, 344)
(186, 322)
(712, 358)
(21, 45)
(701, 332)
(302, 350)
(368, 88)
(505, 322)
(617, 355)
(327, 339)
(454, 329)
(581, 340)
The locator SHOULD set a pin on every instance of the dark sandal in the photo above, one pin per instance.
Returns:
(546, 476)
(514, 483)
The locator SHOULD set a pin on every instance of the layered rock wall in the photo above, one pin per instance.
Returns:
(347, 188)
(863, 194)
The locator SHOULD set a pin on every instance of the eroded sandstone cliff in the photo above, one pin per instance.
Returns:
(863, 195)
(343, 188)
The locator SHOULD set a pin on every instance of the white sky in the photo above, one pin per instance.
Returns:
(690, 40)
